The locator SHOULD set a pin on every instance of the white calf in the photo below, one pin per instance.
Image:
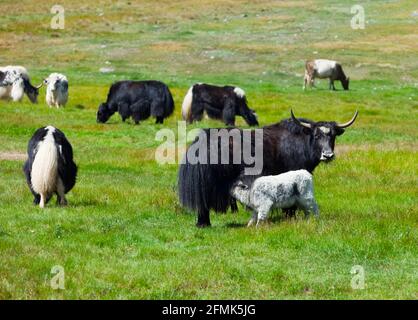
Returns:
(282, 191)
(57, 90)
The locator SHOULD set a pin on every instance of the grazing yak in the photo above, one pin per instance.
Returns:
(286, 190)
(137, 99)
(291, 144)
(322, 68)
(222, 103)
(56, 90)
(50, 167)
(16, 83)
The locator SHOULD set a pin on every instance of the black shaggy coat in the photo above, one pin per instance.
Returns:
(67, 169)
(221, 103)
(137, 99)
(2, 76)
(286, 146)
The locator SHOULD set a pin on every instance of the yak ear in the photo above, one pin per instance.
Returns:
(242, 186)
(340, 131)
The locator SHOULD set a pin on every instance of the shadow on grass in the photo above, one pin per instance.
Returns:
(234, 225)
(86, 203)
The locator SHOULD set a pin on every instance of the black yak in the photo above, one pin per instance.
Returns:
(291, 144)
(222, 103)
(50, 167)
(137, 99)
(322, 68)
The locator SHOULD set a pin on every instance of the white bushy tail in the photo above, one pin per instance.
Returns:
(186, 107)
(45, 167)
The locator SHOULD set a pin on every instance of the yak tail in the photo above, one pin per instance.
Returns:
(44, 174)
(169, 102)
(186, 108)
(203, 187)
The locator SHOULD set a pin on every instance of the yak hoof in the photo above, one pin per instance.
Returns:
(203, 224)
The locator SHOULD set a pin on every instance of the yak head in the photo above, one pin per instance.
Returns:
(241, 192)
(323, 134)
(104, 113)
(55, 81)
(252, 118)
(31, 91)
(345, 83)
(2, 77)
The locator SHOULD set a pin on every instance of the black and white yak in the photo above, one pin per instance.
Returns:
(56, 90)
(291, 144)
(50, 167)
(137, 99)
(16, 83)
(223, 103)
(322, 68)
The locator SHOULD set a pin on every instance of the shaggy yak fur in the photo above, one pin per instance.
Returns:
(50, 167)
(291, 144)
(137, 99)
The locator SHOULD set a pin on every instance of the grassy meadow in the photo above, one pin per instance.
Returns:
(124, 234)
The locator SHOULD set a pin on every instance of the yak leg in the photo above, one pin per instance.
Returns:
(253, 219)
(290, 212)
(61, 193)
(263, 212)
(159, 120)
(309, 205)
(197, 111)
(234, 206)
(36, 197)
(228, 112)
(42, 201)
(203, 219)
(307, 80)
(331, 84)
(124, 110)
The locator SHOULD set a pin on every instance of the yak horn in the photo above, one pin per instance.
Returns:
(304, 124)
(40, 85)
(349, 123)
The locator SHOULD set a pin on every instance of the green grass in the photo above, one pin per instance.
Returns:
(124, 234)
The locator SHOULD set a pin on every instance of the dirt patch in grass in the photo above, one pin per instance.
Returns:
(12, 155)
(346, 148)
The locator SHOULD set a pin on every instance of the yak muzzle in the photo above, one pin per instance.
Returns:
(327, 156)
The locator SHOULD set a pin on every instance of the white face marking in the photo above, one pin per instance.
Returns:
(239, 92)
(324, 130)
(50, 129)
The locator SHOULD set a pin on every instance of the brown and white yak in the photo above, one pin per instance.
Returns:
(223, 103)
(322, 68)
